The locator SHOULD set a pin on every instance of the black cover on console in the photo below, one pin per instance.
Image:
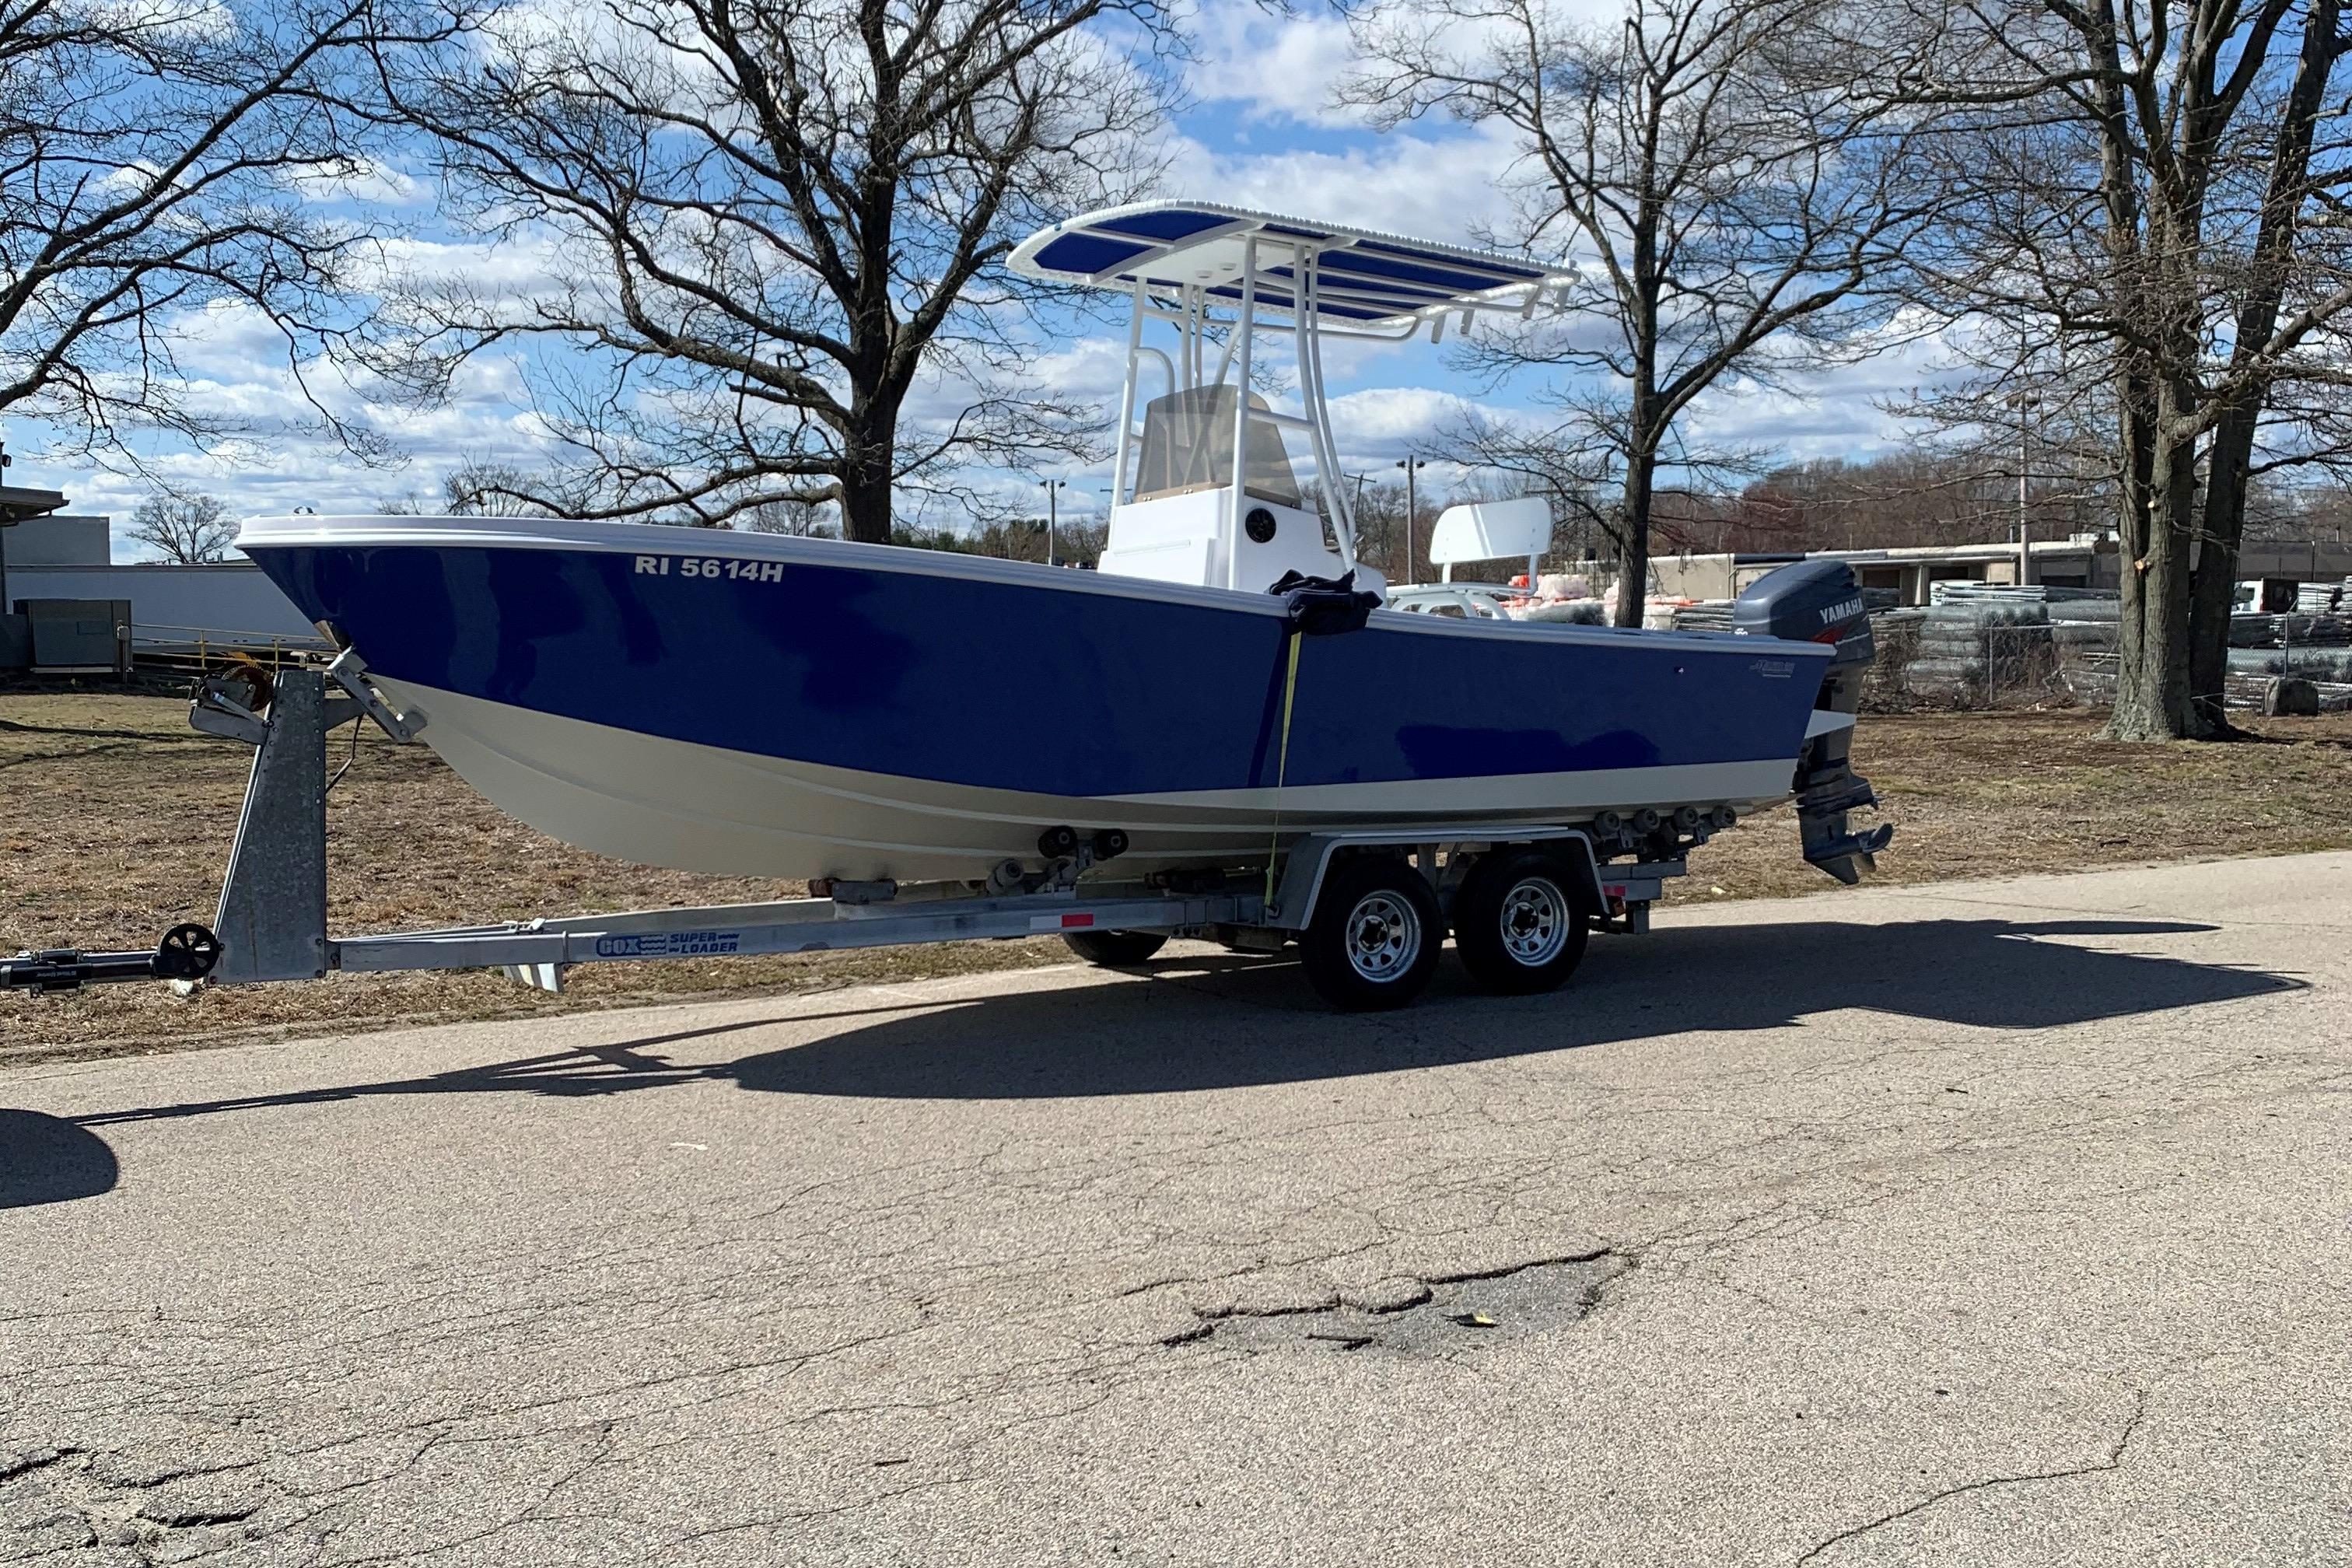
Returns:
(1318, 606)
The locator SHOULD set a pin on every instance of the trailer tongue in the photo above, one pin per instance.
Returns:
(187, 953)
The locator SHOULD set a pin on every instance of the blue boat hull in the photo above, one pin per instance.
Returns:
(734, 703)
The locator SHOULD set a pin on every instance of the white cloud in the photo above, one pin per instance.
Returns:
(1443, 188)
(1270, 75)
(1274, 65)
(1379, 425)
(1836, 410)
(367, 182)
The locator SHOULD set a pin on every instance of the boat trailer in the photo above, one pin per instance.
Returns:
(272, 923)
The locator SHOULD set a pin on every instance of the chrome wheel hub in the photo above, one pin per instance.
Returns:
(1535, 922)
(1383, 936)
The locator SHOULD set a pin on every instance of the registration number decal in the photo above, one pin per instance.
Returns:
(711, 567)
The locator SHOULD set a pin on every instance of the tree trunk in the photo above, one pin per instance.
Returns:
(868, 453)
(865, 505)
(2227, 467)
(2152, 647)
(1633, 541)
(2214, 585)
(2134, 504)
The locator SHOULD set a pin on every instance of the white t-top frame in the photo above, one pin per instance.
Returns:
(1214, 273)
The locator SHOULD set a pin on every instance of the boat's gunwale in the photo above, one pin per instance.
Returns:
(308, 531)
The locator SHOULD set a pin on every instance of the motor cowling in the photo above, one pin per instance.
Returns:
(1809, 600)
(1821, 602)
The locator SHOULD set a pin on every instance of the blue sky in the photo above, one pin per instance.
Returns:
(1261, 131)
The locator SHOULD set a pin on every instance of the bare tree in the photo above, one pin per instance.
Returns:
(792, 518)
(158, 160)
(2285, 266)
(479, 489)
(192, 530)
(2139, 182)
(769, 228)
(1720, 174)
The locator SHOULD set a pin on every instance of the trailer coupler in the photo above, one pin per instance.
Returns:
(186, 953)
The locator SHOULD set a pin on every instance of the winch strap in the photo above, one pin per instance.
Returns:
(1282, 758)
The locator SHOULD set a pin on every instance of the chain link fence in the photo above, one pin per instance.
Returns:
(1984, 648)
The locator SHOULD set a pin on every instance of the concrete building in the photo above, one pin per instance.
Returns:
(19, 504)
(47, 554)
(1912, 573)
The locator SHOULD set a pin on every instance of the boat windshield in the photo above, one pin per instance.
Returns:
(1187, 445)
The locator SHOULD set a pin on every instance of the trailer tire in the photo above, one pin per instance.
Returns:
(1519, 922)
(1374, 938)
(1115, 949)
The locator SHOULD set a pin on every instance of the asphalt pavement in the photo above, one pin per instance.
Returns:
(1992, 1223)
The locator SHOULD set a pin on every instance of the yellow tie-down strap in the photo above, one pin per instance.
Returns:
(1282, 759)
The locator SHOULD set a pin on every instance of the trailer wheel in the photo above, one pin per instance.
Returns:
(1518, 922)
(1115, 949)
(1374, 938)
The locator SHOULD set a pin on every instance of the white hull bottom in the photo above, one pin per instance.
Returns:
(698, 808)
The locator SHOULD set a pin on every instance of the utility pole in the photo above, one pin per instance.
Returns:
(5, 460)
(1411, 465)
(1052, 488)
(2027, 401)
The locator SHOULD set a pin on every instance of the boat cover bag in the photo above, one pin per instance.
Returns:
(1318, 606)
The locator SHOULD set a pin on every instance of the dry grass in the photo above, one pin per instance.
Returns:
(119, 818)
(2001, 795)
(118, 824)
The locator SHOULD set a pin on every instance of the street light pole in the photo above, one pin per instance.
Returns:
(1051, 486)
(2027, 401)
(1411, 465)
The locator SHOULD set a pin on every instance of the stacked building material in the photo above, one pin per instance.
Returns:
(2316, 663)
(1704, 616)
(1959, 589)
(2324, 631)
(2082, 638)
(2323, 598)
(1977, 647)
(1981, 643)
(2253, 628)
(1575, 612)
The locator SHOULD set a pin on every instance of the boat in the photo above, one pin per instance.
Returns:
(727, 701)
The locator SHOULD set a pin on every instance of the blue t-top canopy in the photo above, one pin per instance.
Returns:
(1362, 278)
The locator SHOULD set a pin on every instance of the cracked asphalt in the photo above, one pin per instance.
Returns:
(1994, 1223)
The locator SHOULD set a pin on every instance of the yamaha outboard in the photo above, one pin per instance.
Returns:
(1821, 601)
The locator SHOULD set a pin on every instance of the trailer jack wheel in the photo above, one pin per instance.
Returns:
(186, 953)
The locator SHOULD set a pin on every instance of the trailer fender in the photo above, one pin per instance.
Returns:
(1307, 865)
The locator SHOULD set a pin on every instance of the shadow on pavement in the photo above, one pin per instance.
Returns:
(1224, 1022)
(1149, 1040)
(47, 1159)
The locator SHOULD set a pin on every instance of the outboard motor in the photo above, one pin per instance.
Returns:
(1821, 601)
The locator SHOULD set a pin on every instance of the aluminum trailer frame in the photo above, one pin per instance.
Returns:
(272, 920)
